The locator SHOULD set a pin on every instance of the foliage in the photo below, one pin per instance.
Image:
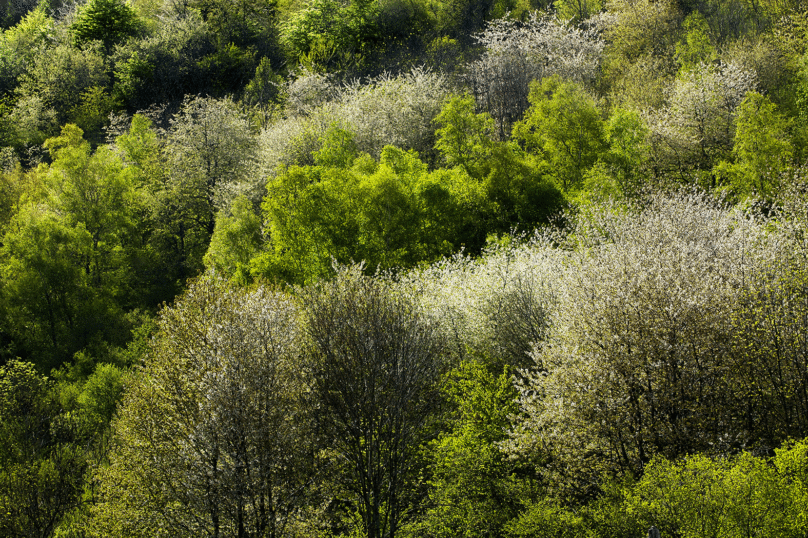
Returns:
(385, 111)
(211, 150)
(697, 128)
(108, 21)
(762, 149)
(236, 239)
(375, 366)
(519, 53)
(212, 436)
(20, 44)
(464, 138)
(741, 496)
(472, 492)
(643, 321)
(66, 259)
(42, 463)
(394, 213)
(695, 48)
(163, 66)
(497, 306)
(564, 126)
(59, 75)
(395, 111)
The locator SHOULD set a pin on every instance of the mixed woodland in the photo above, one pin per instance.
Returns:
(403, 268)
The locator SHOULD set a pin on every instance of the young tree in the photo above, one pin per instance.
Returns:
(212, 439)
(42, 458)
(762, 149)
(375, 363)
(108, 21)
(472, 492)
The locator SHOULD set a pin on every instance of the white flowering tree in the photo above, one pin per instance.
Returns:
(517, 53)
(697, 127)
(639, 356)
(388, 110)
(498, 305)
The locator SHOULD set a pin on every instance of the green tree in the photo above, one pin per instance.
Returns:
(388, 214)
(738, 497)
(762, 149)
(58, 77)
(564, 126)
(695, 47)
(42, 458)
(108, 21)
(236, 240)
(472, 491)
(464, 137)
(67, 256)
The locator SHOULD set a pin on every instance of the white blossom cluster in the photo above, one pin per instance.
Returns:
(518, 53)
(639, 351)
(388, 110)
(698, 123)
(496, 305)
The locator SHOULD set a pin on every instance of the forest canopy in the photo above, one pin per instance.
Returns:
(376, 268)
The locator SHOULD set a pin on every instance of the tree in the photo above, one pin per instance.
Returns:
(762, 149)
(564, 126)
(42, 458)
(109, 21)
(695, 47)
(375, 365)
(67, 255)
(519, 53)
(60, 74)
(208, 157)
(165, 66)
(464, 138)
(210, 144)
(236, 239)
(394, 213)
(735, 497)
(212, 439)
(697, 127)
(769, 331)
(472, 491)
(638, 357)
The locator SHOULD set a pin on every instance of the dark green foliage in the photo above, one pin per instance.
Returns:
(164, 66)
(42, 460)
(108, 21)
